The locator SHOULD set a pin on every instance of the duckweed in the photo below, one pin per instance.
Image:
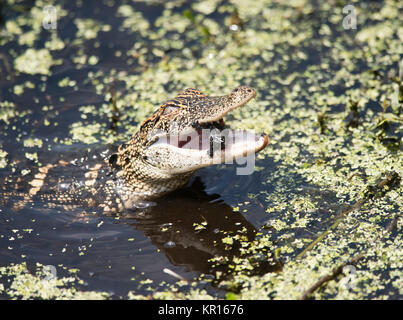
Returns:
(329, 98)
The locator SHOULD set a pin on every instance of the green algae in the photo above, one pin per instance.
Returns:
(309, 89)
(88, 29)
(7, 111)
(33, 142)
(85, 133)
(133, 20)
(19, 89)
(23, 284)
(34, 61)
(3, 158)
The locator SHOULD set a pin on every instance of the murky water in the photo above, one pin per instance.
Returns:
(184, 230)
(130, 250)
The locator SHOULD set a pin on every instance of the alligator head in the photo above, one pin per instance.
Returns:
(185, 134)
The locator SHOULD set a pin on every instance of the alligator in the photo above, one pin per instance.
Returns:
(183, 135)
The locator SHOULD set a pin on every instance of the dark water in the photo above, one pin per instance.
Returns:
(118, 253)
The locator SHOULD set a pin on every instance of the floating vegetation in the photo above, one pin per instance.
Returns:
(326, 194)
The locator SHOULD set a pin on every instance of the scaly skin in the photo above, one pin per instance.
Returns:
(175, 141)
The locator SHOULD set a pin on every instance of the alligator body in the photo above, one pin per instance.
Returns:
(183, 135)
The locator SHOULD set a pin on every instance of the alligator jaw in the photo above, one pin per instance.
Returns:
(207, 140)
(185, 134)
(218, 107)
(207, 145)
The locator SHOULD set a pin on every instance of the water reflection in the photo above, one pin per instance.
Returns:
(189, 226)
(183, 231)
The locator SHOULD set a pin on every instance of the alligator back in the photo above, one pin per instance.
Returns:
(69, 181)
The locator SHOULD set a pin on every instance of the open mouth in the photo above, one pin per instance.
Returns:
(208, 140)
(216, 138)
(213, 131)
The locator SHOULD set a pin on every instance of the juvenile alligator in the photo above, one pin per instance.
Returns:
(183, 135)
